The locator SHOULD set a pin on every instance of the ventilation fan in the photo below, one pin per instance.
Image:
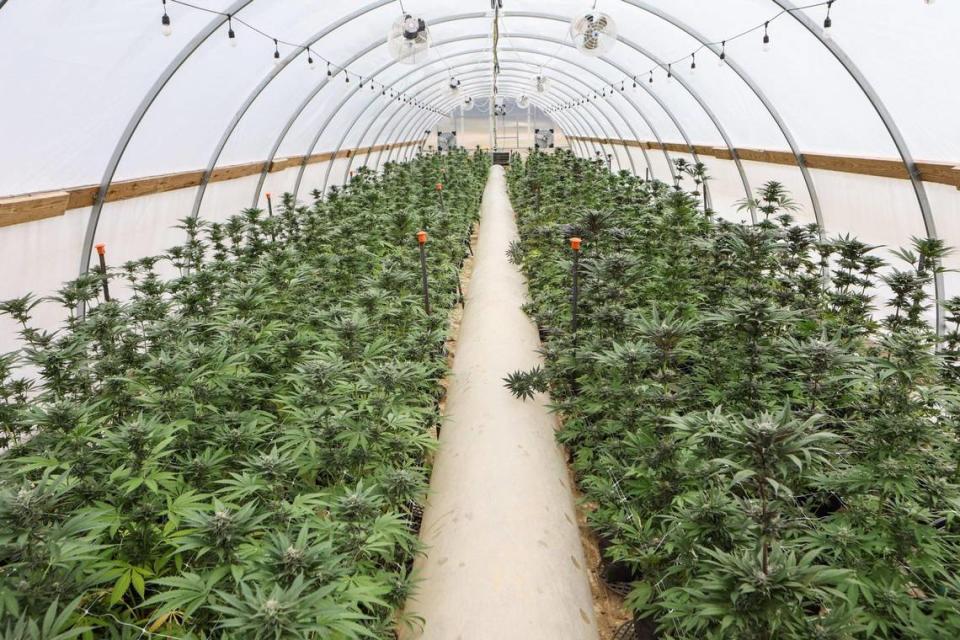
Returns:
(523, 102)
(467, 104)
(454, 86)
(499, 110)
(409, 39)
(542, 84)
(593, 33)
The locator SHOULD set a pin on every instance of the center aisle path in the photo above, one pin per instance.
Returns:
(504, 559)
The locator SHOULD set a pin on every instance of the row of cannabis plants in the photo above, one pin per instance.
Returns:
(766, 451)
(239, 451)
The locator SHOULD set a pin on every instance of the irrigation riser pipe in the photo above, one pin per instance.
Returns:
(102, 253)
(575, 243)
(422, 241)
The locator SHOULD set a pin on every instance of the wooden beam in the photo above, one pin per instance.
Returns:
(30, 207)
(937, 172)
(37, 206)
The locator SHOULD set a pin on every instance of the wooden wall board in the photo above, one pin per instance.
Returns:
(37, 206)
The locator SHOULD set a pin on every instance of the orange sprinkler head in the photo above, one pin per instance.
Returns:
(422, 237)
(101, 249)
(439, 186)
(268, 194)
(575, 243)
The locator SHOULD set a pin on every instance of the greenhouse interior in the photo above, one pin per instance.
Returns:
(479, 320)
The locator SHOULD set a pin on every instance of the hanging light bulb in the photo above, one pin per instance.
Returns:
(766, 36)
(651, 78)
(311, 63)
(231, 36)
(670, 73)
(165, 27)
(827, 22)
(693, 63)
(722, 58)
(634, 82)
(276, 53)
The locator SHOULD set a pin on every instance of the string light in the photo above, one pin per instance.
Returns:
(827, 22)
(165, 27)
(310, 61)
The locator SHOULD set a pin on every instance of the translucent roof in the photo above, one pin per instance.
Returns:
(84, 73)
(96, 94)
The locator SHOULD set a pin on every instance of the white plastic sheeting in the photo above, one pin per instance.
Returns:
(77, 77)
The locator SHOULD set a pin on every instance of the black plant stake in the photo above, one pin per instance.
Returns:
(422, 241)
(102, 252)
(269, 204)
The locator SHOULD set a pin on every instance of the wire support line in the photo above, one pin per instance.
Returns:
(333, 67)
(667, 65)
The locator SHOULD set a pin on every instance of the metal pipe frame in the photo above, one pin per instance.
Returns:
(453, 101)
(218, 21)
(393, 129)
(647, 54)
(134, 123)
(377, 72)
(397, 124)
(418, 125)
(541, 53)
(757, 91)
(896, 136)
(264, 83)
(403, 122)
(461, 75)
(434, 82)
(532, 51)
(342, 140)
(316, 140)
(660, 63)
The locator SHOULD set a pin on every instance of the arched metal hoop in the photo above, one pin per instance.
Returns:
(890, 124)
(504, 66)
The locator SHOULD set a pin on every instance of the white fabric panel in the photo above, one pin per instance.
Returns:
(141, 227)
(228, 197)
(726, 189)
(198, 110)
(791, 178)
(945, 201)
(78, 69)
(38, 257)
(282, 182)
(908, 51)
(819, 102)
